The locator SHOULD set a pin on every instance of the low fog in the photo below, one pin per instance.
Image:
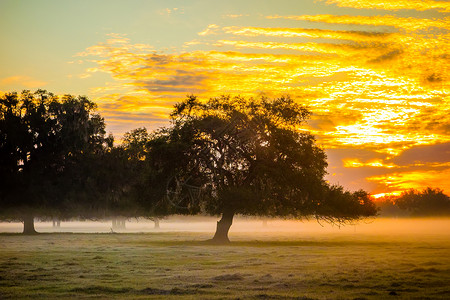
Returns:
(254, 226)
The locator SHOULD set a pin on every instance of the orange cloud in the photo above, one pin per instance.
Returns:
(376, 163)
(234, 16)
(419, 5)
(24, 81)
(358, 36)
(414, 179)
(385, 93)
(408, 23)
(326, 48)
(363, 92)
(211, 29)
(381, 195)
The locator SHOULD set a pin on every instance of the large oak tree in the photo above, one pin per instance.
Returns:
(232, 156)
(45, 144)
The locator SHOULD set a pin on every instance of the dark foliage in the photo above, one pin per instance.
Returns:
(388, 207)
(248, 156)
(46, 144)
(142, 190)
(429, 202)
(224, 156)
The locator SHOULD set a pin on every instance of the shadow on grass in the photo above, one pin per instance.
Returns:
(259, 244)
(181, 240)
(98, 290)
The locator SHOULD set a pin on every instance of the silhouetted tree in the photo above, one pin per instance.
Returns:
(156, 221)
(429, 202)
(388, 207)
(119, 181)
(143, 189)
(248, 156)
(44, 144)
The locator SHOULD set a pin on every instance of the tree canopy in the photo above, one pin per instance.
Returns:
(232, 155)
(428, 202)
(140, 180)
(223, 156)
(44, 142)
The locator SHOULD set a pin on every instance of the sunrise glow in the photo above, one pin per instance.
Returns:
(375, 74)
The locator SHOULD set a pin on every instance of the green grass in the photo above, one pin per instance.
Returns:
(254, 266)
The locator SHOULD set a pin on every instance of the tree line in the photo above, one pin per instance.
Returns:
(223, 156)
(430, 202)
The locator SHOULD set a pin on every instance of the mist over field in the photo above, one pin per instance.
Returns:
(283, 259)
(273, 228)
(234, 149)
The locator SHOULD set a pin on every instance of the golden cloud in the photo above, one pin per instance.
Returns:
(361, 83)
(211, 29)
(343, 50)
(380, 91)
(234, 16)
(414, 179)
(408, 23)
(358, 36)
(24, 81)
(419, 5)
(376, 163)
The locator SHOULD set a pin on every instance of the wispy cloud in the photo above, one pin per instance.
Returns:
(419, 5)
(234, 16)
(363, 36)
(327, 48)
(24, 81)
(367, 91)
(408, 23)
(382, 87)
(171, 11)
(211, 29)
(414, 179)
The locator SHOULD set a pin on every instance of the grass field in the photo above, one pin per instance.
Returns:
(179, 265)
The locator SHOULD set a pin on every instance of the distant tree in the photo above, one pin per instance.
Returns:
(388, 207)
(156, 221)
(143, 191)
(232, 156)
(429, 202)
(45, 142)
(103, 181)
(116, 183)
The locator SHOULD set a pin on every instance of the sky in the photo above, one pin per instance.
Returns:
(375, 73)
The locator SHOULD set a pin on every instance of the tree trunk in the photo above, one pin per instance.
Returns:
(118, 223)
(56, 222)
(28, 224)
(223, 226)
(156, 220)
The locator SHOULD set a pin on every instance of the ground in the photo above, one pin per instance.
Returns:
(257, 265)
